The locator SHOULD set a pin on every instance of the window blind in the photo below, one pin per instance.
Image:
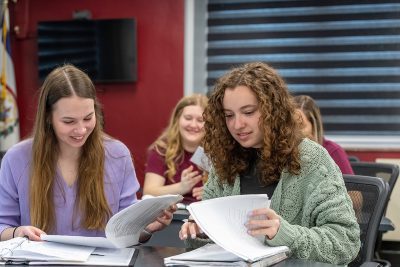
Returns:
(345, 54)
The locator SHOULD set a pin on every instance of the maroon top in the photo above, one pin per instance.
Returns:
(156, 164)
(338, 155)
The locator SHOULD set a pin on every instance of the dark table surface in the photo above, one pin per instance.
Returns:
(154, 257)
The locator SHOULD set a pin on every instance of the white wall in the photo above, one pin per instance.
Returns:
(195, 47)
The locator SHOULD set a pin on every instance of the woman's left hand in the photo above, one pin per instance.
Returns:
(162, 221)
(264, 222)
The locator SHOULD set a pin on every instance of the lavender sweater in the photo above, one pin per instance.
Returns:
(120, 179)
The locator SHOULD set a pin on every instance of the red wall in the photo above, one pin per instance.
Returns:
(135, 113)
(373, 155)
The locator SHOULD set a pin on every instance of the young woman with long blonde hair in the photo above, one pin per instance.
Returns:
(70, 177)
(168, 168)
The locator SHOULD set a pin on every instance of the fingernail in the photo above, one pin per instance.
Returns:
(184, 236)
(193, 236)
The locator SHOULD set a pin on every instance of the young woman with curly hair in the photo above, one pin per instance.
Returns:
(256, 145)
(168, 168)
(70, 177)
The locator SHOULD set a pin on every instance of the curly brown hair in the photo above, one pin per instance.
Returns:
(278, 122)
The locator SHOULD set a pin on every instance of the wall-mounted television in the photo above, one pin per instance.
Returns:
(104, 48)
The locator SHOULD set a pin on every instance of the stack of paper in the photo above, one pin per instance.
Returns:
(223, 220)
(122, 231)
(124, 228)
(101, 257)
(214, 255)
(20, 249)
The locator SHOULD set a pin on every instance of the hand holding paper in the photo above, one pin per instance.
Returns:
(163, 220)
(263, 222)
(232, 213)
(124, 228)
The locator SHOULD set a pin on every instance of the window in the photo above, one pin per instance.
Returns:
(345, 54)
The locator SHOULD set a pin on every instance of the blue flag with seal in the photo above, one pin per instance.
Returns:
(9, 122)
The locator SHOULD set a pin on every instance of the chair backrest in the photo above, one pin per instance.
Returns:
(369, 196)
(388, 172)
(353, 159)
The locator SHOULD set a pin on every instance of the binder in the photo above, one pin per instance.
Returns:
(22, 251)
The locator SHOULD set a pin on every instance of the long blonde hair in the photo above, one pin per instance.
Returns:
(91, 202)
(169, 143)
(310, 109)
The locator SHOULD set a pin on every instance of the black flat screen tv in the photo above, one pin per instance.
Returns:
(105, 48)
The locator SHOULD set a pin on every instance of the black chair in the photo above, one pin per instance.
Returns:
(389, 173)
(369, 196)
(353, 159)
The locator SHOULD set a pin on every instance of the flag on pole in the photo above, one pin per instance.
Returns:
(9, 122)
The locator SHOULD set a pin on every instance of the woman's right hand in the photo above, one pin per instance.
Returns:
(31, 232)
(189, 229)
(197, 193)
(189, 179)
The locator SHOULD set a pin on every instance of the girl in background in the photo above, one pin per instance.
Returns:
(168, 168)
(313, 129)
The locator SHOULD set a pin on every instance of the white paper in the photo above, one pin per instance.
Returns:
(223, 220)
(201, 160)
(124, 228)
(214, 255)
(23, 249)
(102, 257)
(209, 252)
(79, 240)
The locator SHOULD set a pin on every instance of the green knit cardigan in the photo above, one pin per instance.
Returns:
(317, 217)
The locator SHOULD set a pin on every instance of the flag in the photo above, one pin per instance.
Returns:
(9, 122)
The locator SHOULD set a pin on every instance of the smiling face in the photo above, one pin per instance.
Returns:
(73, 120)
(191, 127)
(242, 116)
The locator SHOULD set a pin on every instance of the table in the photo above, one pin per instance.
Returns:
(166, 243)
(169, 237)
(154, 257)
